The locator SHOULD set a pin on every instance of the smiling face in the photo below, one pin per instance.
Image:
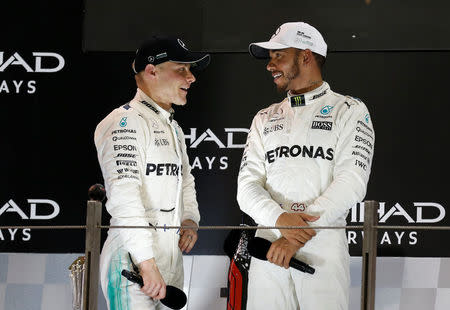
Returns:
(172, 83)
(285, 69)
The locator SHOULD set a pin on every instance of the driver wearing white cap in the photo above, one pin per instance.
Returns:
(306, 162)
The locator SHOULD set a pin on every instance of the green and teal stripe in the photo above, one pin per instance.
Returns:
(118, 294)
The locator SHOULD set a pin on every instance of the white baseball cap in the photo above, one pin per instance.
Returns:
(297, 34)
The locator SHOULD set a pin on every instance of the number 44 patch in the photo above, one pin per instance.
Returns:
(298, 207)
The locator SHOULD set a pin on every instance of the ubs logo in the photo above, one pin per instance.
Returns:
(273, 128)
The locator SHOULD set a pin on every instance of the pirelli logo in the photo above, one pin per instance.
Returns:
(322, 125)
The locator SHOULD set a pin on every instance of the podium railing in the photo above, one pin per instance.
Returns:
(84, 272)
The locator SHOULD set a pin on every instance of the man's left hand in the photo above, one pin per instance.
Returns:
(188, 236)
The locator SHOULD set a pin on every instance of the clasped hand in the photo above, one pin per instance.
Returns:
(283, 249)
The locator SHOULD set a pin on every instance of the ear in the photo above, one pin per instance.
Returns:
(150, 70)
(307, 56)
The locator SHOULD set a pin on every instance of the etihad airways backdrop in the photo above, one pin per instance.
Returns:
(53, 93)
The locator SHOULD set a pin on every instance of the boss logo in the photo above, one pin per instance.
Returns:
(322, 125)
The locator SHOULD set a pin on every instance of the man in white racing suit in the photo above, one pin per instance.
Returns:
(306, 163)
(142, 153)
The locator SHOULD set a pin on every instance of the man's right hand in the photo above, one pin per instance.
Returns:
(154, 285)
(296, 236)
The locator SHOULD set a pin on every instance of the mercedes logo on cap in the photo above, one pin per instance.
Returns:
(182, 44)
(276, 32)
(151, 59)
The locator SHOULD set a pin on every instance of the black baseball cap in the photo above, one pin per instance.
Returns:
(161, 49)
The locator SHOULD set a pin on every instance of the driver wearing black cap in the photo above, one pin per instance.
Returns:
(142, 153)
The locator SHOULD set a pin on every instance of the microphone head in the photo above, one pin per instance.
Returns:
(97, 192)
(175, 298)
(258, 247)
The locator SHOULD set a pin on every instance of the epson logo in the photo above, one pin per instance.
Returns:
(49, 209)
(36, 64)
(364, 141)
(125, 147)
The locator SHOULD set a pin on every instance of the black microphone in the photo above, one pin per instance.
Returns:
(175, 298)
(258, 247)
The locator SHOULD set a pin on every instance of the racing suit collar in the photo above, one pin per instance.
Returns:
(299, 100)
(150, 104)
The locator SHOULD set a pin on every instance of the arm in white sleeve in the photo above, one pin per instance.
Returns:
(354, 152)
(252, 197)
(190, 204)
(121, 142)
